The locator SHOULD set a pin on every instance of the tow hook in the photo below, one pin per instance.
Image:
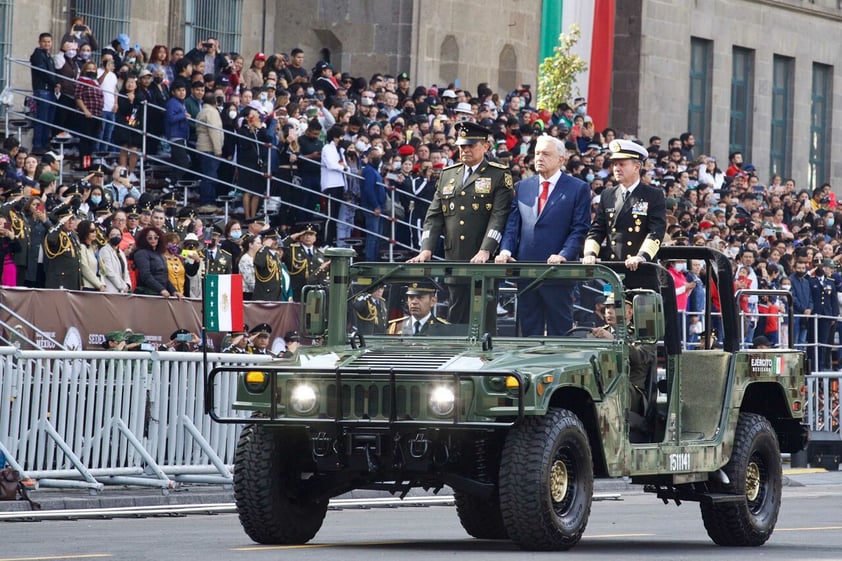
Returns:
(321, 444)
(419, 446)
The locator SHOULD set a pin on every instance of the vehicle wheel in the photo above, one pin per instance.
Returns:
(546, 481)
(266, 482)
(480, 518)
(755, 474)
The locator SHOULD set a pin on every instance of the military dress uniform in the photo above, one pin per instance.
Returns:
(267, 275)
(61, 248)
(471, 209)
(826, 306)
(303, 265)
(219, 262)
(631, 227)
(20, 226)
(370, 314)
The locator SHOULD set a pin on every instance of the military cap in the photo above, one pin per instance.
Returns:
(134, 338)
(63, 212)
(216, 230)
(418, 288)
(115, 336)
(270, 233)
(186, 212)
(829, 263)
(291, 337)
(471, 133)
(103, 210)
(169, 200)
(311, 228)
(622, 149)
(403, 76)
(261, 329)
(259, 219)
(132, 211)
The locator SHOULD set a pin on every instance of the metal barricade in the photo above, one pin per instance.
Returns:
(78, 419)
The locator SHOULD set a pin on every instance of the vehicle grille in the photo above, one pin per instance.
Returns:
(416, 359)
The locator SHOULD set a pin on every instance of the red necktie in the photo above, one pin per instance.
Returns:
(545, 192)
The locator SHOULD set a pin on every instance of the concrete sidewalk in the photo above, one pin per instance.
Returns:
(195, 494)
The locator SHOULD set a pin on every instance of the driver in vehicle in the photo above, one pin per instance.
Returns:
(641, 356)
(421, 301)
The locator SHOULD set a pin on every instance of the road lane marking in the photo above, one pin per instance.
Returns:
(607, 536)
(316, 545)
(808, 529)
(56, 557)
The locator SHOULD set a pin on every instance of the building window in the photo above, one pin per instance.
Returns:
(820, 125)
(449, 59)
(780, 152)
(742, 102)
(5, 44)
(106, 18)
(698, 109)
(220, 19)
(507, 69)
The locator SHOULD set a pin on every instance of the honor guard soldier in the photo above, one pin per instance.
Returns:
(371, 312)
(292, 341)
(183, 225)
(470, 207)
(272, 281)
(825, 305)
(238, 342)
(61, 248)
(219, 261)
(13, 208)
(260, 339)
(421, 301)
(305, 262)
(631, 217)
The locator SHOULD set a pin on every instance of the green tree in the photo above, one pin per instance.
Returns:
(557, 74)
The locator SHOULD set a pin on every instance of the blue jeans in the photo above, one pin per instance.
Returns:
(108, 118)
(209, 168)
(374, 225)
(46, 114)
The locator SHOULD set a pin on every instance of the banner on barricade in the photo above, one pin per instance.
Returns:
(80, 320)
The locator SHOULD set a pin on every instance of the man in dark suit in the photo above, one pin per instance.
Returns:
(549, 220)
(470, 207)
(421, 301)
(631, 217)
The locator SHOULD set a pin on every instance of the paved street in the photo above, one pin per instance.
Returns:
(636, 526)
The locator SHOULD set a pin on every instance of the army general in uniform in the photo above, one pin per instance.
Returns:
(470, 207)
(631, 217)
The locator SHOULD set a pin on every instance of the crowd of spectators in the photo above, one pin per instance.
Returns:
(334, 136)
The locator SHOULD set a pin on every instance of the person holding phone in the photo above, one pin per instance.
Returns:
(81, 34)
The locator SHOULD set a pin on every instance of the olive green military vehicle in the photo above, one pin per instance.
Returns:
(517, 427)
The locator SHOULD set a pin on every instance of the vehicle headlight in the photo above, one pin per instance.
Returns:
(442, 401)
(303, 399)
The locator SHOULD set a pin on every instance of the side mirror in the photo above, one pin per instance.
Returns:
(314, 311)
(648, 316)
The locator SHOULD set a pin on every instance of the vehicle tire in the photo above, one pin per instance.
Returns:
(266, 481)
(481, 518)
(755, 474)
(546, 481)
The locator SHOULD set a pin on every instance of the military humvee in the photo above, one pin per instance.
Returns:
(518, 427)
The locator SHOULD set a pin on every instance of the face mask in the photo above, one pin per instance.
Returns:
(85, 56)
(96, 200)
(361, 146)
(786, 286)
(131, 60)
(526, 139)
(235, 234)
(681, 267)
(220, 100)
(522, 104)
(115, 240)
(830, 222)
(589, 177)
(123, 75)
(232, 114)
(685, 223)
(170, 212)
(70, 54)
(311, 91)
(157, 79)
(172, 248)
(580, 110)
(91, 75)
(800, 274)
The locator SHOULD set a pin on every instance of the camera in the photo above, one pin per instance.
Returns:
(207, 45)
(80, 28)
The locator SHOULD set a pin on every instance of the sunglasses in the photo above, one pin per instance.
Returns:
(150, 238)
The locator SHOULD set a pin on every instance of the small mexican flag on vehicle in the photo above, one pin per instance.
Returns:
(223, 302)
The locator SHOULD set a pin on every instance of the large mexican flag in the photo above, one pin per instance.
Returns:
(223, 302)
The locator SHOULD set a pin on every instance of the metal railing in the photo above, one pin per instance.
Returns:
(145, 158)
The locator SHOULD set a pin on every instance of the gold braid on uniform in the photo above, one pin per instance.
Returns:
(18, 225)
(372, 313)
(274, 272)
(298, 265)
(64, 244)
